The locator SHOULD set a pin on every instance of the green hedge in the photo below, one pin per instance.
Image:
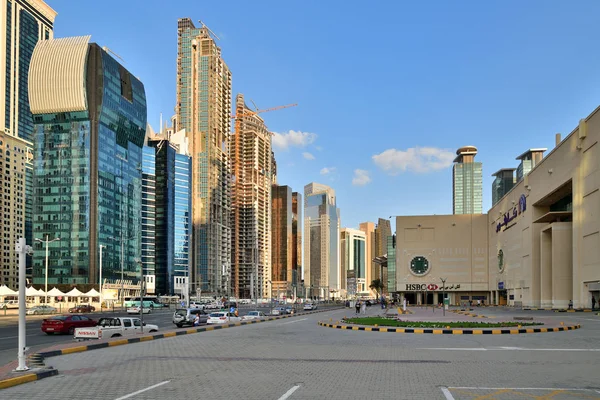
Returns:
(435, 325)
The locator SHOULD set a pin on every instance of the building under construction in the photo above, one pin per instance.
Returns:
(204, 111)
(252, 176)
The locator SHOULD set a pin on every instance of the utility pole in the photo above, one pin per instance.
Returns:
(22, 250)
(444, 294)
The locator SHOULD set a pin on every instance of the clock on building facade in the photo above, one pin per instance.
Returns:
(419, 265)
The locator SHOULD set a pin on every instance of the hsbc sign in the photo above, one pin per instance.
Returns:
(421, 286)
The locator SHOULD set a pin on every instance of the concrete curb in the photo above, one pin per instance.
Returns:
(146, 338)
(28, 377)
(585, 310)
(455, 331)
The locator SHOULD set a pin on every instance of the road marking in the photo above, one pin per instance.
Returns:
(286, 394)
(292, 322)
(531, 388)
(589, 319)
(142, 390)
(499, 349)
(447, 393)
(14, 337)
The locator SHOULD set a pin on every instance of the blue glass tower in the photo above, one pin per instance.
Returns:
(90, 120)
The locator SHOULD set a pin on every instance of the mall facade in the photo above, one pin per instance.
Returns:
(539, 245)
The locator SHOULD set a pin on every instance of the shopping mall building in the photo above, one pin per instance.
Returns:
(539, 245)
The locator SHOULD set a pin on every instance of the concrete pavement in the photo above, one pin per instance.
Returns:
(297, 357)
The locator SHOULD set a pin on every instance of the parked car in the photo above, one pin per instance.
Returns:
(39, 310)
(288, 309)
(222, 317)
(114, 327)
(10, 304)
(66, 324)
(136, 310)
(308, 307)
(186, 316)
(82, 308)
(254, 315)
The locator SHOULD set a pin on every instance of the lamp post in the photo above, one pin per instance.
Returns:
(100, 277)
(46, 279)
(444, 294)
(142, 292)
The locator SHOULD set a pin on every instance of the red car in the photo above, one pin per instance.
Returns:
(82, 308)
(66, 324)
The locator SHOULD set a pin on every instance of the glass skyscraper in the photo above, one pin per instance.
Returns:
(391, 264)
(322, 271)
(168, 205)
(23, 23)
(467, 182)
(149, 218)
(504, 181)
(90, 122)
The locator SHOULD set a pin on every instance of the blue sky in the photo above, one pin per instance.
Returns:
(388, 88)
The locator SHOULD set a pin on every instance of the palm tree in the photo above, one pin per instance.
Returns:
(376, 285)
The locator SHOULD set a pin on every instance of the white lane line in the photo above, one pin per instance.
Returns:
(589, 319)
(447, 393)
(501, 349)
(293, 322)
(14, 337)
(511, 388)
(286, 394)
(142, 390)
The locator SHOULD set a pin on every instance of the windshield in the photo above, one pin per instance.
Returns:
(181, 312)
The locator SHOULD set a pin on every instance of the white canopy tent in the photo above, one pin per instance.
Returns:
(55, 292)
(92, 293)
(33, 292)
(6, 291)
(74, 293)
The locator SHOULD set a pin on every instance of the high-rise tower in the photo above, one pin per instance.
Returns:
(204, 111)
(467, 182)
(252, 173)
(90, 122)
(22, 24)
(322, 268)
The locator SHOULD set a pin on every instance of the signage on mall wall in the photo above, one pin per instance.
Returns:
(421, 287)
(512, 213)
(500, 285)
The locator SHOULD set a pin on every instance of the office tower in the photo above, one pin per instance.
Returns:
(89, 114)
(383, 230)
(322, 270)
(204, 111)
(504, 181)
(281, 239)
(369, 229)
(252, 163)
(22, 23)
(297, 276)
(467, 182)
(353, 260)
(14, 153)
(529, 160)
(149, 217)
(391, 264)
(170, 202)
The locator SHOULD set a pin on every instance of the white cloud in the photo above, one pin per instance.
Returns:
(415, 159)
(327, 170)
(284, 141)
(308, 156)
(361, 177)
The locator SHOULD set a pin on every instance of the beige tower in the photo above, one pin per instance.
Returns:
(204, 111)
(369, 229)
(252, 164)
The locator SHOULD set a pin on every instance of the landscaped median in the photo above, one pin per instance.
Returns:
(381, 324)
(77, 348)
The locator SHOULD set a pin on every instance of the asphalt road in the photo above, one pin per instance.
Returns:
(37, 340)
(296, 359)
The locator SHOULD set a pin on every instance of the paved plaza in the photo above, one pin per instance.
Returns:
(294, 358)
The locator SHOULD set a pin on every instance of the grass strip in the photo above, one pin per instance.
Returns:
(437, 325)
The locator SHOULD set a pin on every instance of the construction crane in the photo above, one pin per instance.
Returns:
(250, 112)
(209, 30)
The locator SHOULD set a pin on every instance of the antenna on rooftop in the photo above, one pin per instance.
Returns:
(112, 52)
(209, 30)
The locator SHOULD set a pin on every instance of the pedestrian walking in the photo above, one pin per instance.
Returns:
(404, 304)
(570, 304)
(357, 306)
(363, 307)
(593, 302)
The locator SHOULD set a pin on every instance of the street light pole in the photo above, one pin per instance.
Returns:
(100, 277)
(444, 294)
(46, 279)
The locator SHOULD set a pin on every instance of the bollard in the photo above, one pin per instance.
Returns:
(375, 325)
(447, 326)
(562, 323)
(519, 326)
